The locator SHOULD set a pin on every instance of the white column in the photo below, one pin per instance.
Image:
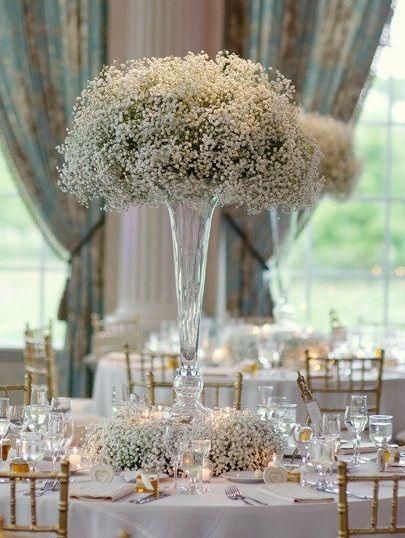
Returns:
(143, 262)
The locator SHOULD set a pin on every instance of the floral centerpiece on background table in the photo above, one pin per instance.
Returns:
(190, 133)
(240, 441)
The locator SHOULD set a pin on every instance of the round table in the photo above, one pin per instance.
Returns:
(211, 515)
(111, 371)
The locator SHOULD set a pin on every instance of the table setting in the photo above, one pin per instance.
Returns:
(228, 473)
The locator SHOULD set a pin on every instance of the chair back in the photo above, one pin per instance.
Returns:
(109, 337)
(39, 358)
(332, 381)
(24, 388)
(60, 529)
(216, 386)
(344, 480)
(163, 365)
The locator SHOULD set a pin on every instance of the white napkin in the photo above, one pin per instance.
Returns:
(100, 492)
(295, 493)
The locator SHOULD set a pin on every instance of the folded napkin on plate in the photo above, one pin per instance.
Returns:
(365, 448)
(101, 492)
(294, 493)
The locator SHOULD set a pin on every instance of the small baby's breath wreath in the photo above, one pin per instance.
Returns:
(190, 129)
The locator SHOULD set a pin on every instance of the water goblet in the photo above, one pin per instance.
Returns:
(32, 448)
(201, 449)
(274, 402)
(380, 431)
(39, 395)
(321, 451)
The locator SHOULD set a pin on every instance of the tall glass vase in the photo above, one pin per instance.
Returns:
(190, 233)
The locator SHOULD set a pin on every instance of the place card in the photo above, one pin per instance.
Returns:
(275, 475)
(101, 472)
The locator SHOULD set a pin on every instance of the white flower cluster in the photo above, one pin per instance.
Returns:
(339, 165)
(190, 129)
(239, 439)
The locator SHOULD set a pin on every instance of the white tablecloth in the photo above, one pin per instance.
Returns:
(111, 371)
(209, 516)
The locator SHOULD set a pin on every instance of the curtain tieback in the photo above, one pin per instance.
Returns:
(246, 241)
(88, 236)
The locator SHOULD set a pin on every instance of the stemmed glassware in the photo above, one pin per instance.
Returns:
(302, 437)
(321, 451)
(331, 427)
(200, 448)
(356, 416)
(55, 436)
(175, 439)
(32, 448)
(38, 409)
(274, 402)
(380, 430)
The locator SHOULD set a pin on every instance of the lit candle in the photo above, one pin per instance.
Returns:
(206, 474)
(75, 457)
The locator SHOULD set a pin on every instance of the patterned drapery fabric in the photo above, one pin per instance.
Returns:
(49, 49)
(326, 47)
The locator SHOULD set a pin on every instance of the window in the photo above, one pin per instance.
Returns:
(32, 276)
(351, 256)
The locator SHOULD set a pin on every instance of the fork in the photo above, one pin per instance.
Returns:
(233, 493)
(47, 486)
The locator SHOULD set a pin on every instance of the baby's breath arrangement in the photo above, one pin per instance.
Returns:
(339, 165)
(190, 129)
(239, 439)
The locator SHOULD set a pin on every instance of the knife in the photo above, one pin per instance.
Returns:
(150, 498)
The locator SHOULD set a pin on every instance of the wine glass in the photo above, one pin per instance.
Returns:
(174, 437)
(60, 404)
(39, 395)
(285, 416)
(321, 450)
(380, 429)
(201, 449)
(54, 438)
(68, 435)
(120, 397)
(302, 437)
(356, 417)
(32, 448)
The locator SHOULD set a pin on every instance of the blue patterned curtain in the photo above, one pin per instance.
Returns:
(49, 49)
(326, 47)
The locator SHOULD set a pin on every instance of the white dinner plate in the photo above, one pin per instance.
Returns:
(244, 477)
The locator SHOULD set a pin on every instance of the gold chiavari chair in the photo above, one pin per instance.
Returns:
(338, 378)
(164, 364)
(122, 534)
(39, 358)
(110, 337)
(61, 528)
(216, 386)
(24, 387)
(345, 531)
